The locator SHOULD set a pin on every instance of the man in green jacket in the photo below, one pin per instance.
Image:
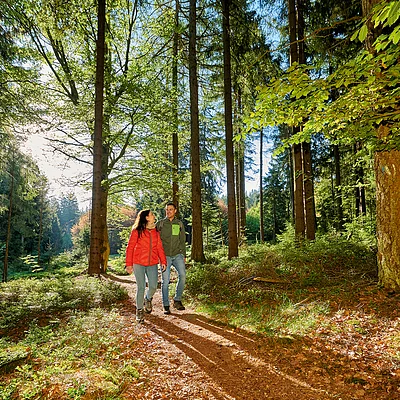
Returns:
(173, 237)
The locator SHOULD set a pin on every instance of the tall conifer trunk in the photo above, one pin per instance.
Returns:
(308, 183)
(359, 190)
(241, 174)
(261, 189)
(175, 147)
(309, 205)
(338, 187)
(299, 226)
(303, 191)
(338, 176)
(197, 225)
(233, 250)
(99, 252)
(8, 236)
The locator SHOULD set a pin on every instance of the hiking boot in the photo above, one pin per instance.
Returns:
(178, 305)
(148, 306)
(140, 316)
(167, 311)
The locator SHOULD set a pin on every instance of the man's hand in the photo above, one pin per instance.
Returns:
(129, 269)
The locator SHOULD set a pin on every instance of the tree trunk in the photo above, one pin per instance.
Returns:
(233, 250)
(359, 191)
(303, 192)
(338, 187)
(290, 175)
(240, 192)
(241, 180)
(387, 167)
(175, 147)
(8, 237)
(197, 224)
(309, 205)
(261, 189)
(298, 207)
(99, 249)
(242, 195)
(41, 199)
(237, 189)
(308, 183)
(299, 225)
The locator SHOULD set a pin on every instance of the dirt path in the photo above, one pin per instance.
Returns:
(188, 356)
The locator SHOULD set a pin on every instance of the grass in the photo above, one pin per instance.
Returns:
(87, 355)
(62, 338)
(296, 287)
(27, 299)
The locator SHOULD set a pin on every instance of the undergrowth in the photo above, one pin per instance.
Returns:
(281, 289)
(88, 356)
(23, 300)
(60, 338)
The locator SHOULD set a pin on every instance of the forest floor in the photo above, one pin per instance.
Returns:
(187, 355)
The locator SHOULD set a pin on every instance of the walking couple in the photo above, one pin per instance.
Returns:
(151, 244)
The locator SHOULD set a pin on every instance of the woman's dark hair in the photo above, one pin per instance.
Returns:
(141, 221)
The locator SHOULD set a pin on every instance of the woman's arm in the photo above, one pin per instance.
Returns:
(161, 252)
(130, 249)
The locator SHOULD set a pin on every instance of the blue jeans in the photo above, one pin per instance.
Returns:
(141, 272)
(178, 262)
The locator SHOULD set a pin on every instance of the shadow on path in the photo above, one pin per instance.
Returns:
(236, 361)
(230, 359)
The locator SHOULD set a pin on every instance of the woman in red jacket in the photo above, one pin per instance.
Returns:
(143, 253)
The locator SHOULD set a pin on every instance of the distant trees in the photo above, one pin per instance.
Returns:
(25, 212)
(31, 223)
(68, 214)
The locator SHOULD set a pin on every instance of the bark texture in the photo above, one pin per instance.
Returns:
(387, 170)
(197, 225)
(175, 145)
(233, 250)
(387, 175)
(99, 248)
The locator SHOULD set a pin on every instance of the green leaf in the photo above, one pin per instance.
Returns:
(395, 35)
(363, 33)
(355, 35)
(394, 12)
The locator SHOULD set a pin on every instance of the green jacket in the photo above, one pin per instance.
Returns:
(173, 236)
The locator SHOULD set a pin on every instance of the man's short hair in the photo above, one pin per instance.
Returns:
(170, 203)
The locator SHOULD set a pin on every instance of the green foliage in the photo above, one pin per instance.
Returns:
(362, 230)
(287, 274)
(79, 357)
(366, 88)
(253, 224)
(117, 264)
(23, 300)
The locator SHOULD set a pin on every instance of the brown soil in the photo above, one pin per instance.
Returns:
(188, 356)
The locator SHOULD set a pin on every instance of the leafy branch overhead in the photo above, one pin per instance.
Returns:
(366, 87)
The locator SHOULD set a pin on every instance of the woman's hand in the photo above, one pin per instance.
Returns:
(129, 269)
(163, 267)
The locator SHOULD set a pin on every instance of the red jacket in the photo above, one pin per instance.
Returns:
(146, 250)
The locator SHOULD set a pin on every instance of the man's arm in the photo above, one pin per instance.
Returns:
(182, 239)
